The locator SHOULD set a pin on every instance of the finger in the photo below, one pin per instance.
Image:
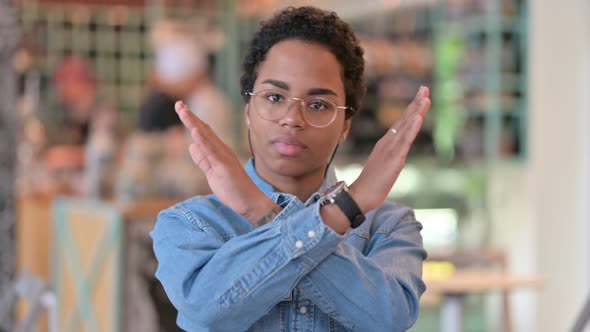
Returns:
(205, 133)
(424, 106)
(216, 152)
(188, 119)
(401, 145)
(419, 104)
(401, 126)
(414, 129)
(420, 101)
(199, 157)
(405, 134)
(423, 92)
(205, 154)
(191, 121)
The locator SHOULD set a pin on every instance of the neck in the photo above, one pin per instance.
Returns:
(302, 186)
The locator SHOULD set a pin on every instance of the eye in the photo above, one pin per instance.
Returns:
(318, 105)
(274, 97)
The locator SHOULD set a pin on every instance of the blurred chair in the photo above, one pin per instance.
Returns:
(488, 258)
(147, 308)
(87, 269)
(33, 234)
(33, 238)
(38, 296)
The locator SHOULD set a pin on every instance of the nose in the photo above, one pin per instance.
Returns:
(294, 115)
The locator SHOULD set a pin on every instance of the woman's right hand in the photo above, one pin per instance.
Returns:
(388, 157)
(224, 172)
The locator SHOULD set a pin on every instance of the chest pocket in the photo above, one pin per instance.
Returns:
(273, 321)
(335, 327)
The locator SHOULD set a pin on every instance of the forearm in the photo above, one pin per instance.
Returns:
(262, 212)
(385, 285)
(381, 300)
(266, 211)
(334, 218)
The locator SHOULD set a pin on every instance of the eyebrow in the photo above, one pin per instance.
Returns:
(321, 91)
(278, 84)
(311, 92)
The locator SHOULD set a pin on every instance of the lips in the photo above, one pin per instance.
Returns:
(288, 145)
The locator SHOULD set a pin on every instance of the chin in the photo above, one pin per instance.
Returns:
(294, 167)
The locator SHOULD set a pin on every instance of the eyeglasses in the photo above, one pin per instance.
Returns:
(272, 105)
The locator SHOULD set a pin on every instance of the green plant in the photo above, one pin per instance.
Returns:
(449, 114)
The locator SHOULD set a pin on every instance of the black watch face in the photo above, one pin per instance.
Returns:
(358, 220)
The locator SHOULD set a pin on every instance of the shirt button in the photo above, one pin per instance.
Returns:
(303, 310)
(311, 234)
(298, 244)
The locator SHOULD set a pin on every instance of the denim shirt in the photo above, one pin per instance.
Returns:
(292, 274)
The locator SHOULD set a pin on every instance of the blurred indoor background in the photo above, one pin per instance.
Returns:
(499, 175)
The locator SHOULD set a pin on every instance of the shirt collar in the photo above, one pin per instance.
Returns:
(276, 196)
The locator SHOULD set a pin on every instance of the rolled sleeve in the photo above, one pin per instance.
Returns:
(385, 283)
(309, 238)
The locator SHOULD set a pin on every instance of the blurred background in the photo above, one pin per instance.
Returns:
(499, 175)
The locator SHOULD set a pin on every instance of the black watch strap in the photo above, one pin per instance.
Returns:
(349, 208)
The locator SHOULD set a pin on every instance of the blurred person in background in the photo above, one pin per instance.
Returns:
(281, 245)
(81, 132)
(80, 109)
(181, 70)
(154, 162)
(154, 166)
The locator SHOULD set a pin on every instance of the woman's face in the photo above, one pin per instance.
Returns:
(289, 146)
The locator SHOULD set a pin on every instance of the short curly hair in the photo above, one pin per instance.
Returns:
(312, 25)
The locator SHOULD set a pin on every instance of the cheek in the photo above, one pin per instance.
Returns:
(257, 133)
(325, 143)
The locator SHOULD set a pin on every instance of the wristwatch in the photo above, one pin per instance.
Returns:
(338, 194)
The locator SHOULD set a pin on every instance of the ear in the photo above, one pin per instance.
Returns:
(247, 114)
(345, 130)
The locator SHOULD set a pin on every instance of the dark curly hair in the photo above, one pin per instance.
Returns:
(312, 25)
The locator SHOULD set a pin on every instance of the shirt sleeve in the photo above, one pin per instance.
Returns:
(213, 280)
(379, 291)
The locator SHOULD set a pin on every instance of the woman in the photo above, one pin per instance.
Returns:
(281, 246)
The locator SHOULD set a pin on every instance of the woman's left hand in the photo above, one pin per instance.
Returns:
(224, 172)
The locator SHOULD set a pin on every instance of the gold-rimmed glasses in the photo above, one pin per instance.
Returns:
(272, 105)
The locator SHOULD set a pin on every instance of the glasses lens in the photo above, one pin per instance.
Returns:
(319, 112)
(272, 105)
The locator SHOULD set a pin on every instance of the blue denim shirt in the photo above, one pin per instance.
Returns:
(292, 274)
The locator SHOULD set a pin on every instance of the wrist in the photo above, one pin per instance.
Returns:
(262, 211)
(333, 217)
(360, 199)
(338, 195)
